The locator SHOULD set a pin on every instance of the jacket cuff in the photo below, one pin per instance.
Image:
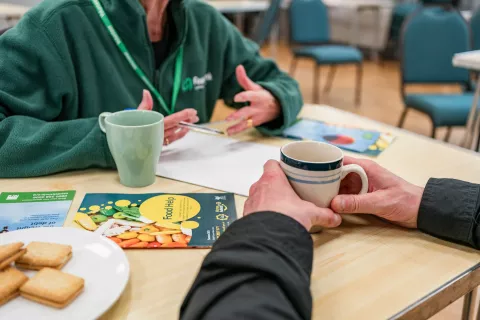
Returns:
(448, 210)
(109, 161)
(271, 229)
(288, 116)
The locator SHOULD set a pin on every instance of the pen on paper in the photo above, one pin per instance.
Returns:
(199, 128)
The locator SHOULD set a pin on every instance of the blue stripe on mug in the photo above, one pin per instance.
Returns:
(312, 182)
(309, 166)
(307, 176)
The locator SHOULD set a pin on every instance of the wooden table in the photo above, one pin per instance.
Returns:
(12, 12)
(365, 269)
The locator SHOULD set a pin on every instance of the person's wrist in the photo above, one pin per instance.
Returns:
(415, 198)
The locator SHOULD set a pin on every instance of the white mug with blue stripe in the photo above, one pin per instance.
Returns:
(315, 170)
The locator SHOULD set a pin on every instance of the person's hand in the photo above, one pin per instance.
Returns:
(173, 131)
(263, 105)
(389, 197)
(274, 193)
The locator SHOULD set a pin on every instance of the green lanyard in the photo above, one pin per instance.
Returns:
(121, 46)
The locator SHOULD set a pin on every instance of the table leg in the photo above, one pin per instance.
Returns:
(469, 305)
(240, 21)
(354, 28)
(478, 312)
(274, 36)
(468, 137)
(11, 20)
(378, 33)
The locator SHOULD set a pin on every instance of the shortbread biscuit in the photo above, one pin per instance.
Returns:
(10, 253)
(10, 281)
(45, 255)
(53, 288)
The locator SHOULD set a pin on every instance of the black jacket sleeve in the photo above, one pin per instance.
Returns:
(450, 209)
(258, 269)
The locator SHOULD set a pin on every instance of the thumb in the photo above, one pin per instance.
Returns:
(326, 218)
(363, 203)
(147, 101)
(245, 81)
(273, 169)
(272, 166)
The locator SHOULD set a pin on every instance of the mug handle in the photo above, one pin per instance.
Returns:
(101, 120)
(354, 168)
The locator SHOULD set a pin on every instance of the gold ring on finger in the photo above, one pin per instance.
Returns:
(249, 123)
(167, 142)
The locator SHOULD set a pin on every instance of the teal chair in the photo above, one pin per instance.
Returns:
(399, 13)
(475, 27)
(268, 21)
(429, 39)
(310, 36)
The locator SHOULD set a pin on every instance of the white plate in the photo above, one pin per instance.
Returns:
(99, 261)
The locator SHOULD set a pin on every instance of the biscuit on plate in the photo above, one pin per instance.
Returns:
(10, 253)
(45, 255)
(10, 281)
(53, 288)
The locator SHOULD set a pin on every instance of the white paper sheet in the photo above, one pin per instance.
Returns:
(216, 162)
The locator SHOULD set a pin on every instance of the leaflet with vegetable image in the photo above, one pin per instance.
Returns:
(24, 210)
(158, 220)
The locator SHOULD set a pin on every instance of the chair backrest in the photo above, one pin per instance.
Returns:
(309, 22)
(475, 28)
(430, 37)
(269, 19)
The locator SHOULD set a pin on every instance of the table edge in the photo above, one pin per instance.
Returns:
(462, 284)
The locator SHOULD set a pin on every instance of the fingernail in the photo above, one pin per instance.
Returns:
(337, 219)
(342, 205)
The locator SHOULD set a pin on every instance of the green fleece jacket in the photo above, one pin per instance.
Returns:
(59, 69)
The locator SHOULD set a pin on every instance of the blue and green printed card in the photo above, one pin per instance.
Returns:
(24, 210)
(351, 139)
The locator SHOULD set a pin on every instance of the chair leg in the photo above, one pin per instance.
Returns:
(358, 90)
(402, 118)
(316, 84)
(293, 66)
(447, 136)
(331, 75)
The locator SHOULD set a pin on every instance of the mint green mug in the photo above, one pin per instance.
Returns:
(135, 139)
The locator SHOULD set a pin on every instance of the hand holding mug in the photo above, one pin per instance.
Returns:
(390, 197)
(173, 131)
(273, 193)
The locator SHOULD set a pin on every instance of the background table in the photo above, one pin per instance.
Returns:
(365, 269)
(239, 8)
(471, 60)
(363, 23)
(12, 12)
